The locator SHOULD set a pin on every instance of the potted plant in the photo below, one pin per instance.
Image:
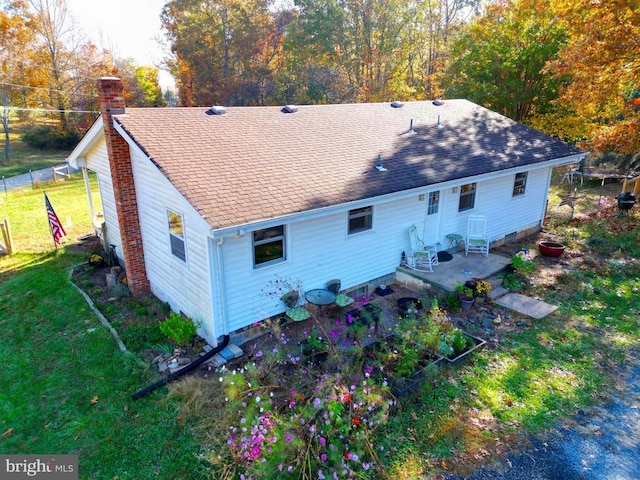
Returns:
(465, 294)
(483, 288)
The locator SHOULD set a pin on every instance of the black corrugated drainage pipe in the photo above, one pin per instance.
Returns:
(183, 370)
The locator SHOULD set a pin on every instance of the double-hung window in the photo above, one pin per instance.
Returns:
(269, 246)
(360, 220)
(434, 201)
(520, 184)
(176, 234)
(467, 197)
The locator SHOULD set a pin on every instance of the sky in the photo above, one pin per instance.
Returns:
(128, 28)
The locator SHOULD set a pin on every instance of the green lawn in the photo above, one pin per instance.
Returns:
(66, 387)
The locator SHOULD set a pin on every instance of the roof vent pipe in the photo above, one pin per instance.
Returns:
(411, 130)
(438, 125)
(289, 109)
(397, 104)
(379, 166)
(216, 110)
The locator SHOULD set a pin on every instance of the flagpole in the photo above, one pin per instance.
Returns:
(53, 237)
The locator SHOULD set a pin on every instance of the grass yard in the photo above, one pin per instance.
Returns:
(66, 387)
(23, 158)
(27, 215)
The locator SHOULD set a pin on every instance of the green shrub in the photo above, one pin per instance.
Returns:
(178, 329)
(48, 138)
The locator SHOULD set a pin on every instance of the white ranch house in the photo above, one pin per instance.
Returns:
(206, 206)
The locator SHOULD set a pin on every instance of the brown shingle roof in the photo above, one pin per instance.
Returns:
(255, 163)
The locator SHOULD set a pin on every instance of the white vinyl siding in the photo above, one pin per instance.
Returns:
(318, 251)
(185, 285)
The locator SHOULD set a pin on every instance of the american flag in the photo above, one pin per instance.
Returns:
(57, 229)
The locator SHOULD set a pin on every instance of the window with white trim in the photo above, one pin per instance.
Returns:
(360, 220)
(520, 184)
(434, 201)
(467, 197)
(269, 246)
(176, 234)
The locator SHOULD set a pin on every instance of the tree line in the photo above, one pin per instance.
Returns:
(48, 69)
(570, 68)
(567, 67)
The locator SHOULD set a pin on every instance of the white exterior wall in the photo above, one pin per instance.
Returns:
(494, 198)
(317, 251)
(186, 286)
(98, 161)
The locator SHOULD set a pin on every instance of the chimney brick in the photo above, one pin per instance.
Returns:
(110, 93)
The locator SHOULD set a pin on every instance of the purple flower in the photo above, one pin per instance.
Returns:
(323, 457)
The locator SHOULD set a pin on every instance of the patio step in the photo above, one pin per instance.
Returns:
(497, 289)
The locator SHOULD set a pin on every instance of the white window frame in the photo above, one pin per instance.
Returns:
(357, 213)
(433, 203)
(520, 184)
(175, 237)
(471, 193)
(265, 241)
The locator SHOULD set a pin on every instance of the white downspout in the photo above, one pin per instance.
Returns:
(220, 286)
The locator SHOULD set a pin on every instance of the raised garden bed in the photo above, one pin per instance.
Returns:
(405, 369)
(474, 344)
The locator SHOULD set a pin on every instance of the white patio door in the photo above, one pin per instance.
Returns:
(431, 226)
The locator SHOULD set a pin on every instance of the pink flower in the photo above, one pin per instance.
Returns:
(323, 457)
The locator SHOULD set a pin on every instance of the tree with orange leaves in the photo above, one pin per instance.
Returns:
(602, 61)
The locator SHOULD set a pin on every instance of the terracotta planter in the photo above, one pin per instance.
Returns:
(550, 249)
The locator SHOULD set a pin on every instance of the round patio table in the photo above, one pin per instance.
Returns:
(320, 296)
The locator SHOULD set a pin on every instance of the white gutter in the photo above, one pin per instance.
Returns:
(239, 229)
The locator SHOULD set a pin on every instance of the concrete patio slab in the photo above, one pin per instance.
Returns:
(526, 305)
(446, 275)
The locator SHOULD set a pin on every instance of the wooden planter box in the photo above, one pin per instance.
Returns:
(462, 357)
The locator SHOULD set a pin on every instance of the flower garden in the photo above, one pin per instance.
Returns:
(309, 406)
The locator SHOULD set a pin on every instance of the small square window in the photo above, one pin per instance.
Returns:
(434, 201)
(360, 220)
(520, 184)
(269, 246)
(176, 235)
(467, 197)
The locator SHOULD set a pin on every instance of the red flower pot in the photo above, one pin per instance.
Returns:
(550, 249)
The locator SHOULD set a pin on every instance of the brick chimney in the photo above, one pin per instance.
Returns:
(112, 103)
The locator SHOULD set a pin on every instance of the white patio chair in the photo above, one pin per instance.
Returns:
(423, 257)
(476, 240)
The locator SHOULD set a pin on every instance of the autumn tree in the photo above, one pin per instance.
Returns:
(141, 86)
(602, 61)
(15, 36)
(361, 41)
(223, 50)
(499, 59)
